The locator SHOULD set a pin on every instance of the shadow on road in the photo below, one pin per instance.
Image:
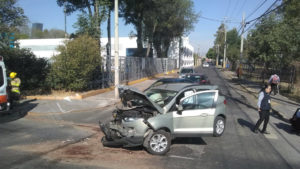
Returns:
(18, 112)
(245, 123)
(189, 140)
(279, 116)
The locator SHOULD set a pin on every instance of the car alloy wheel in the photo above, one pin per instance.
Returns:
(159, 142)
(219, 126)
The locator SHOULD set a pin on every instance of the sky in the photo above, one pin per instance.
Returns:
(212, 14)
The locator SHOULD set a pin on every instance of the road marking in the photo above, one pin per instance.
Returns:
(188, 158)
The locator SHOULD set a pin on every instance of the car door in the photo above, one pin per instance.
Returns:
(197, 115)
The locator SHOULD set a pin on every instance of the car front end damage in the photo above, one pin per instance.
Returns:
(129, 125)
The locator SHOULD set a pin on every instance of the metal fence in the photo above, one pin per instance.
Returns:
(133, 68)
(260, 72)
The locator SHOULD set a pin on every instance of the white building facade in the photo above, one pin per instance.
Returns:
(46, 48)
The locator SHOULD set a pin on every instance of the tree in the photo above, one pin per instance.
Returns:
(31, 70)
(220, 39)
(77, 65)
(10, 18)
(211, 53)
(133, 13)
(93, 14)
(233, 49)
(159, 21)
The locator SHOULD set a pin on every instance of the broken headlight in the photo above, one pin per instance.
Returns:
(131, 119)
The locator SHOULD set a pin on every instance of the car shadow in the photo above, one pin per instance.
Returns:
(245, 123)
(279, 116)
(17, 112)
(189, 140)
(287, 128)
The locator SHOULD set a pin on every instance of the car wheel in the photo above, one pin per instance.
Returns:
(219, 126)
(159, 143)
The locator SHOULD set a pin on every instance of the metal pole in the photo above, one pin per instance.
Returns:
(224, 59)
(65, 11)
(217, 62)
(116, 49)
(242, 38)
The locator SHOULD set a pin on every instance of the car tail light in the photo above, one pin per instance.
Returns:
(225, 102)
(203, 81)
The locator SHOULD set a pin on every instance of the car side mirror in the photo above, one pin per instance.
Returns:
(179, 109)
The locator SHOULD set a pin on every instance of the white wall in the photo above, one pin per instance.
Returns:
(46, 48)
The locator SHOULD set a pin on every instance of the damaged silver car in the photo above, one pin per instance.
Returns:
(153, 118)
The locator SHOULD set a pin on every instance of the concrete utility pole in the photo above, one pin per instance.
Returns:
(116, 49)
(218, 52)
(242, 39)
(225, 45)
(65, 12)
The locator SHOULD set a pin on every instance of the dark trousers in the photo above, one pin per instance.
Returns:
(264, 115)
(274, 88)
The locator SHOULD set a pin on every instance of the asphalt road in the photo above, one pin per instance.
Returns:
(72, 140)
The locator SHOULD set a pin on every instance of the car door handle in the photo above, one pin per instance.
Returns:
(204, 114)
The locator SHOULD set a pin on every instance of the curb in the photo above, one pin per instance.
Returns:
(98, 91)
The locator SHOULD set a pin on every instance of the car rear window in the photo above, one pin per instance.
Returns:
(187, 71)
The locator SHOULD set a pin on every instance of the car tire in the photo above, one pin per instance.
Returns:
(219, 126)
(159, 143)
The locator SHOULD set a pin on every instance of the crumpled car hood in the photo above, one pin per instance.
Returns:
(128, 93)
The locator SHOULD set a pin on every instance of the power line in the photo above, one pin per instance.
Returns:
(228, 7)
(236, 4)
(242, 7)
(217, 20)
(266, 12)
(256, 8)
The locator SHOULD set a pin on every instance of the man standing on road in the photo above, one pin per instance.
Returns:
(274, 82)
(264, 107)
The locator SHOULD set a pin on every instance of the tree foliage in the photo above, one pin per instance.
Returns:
(11, 17)
(77, 64)
(93, 14)
(159, 21)
(211, 53)
(31, 70)
(275, 38)
(52, 33)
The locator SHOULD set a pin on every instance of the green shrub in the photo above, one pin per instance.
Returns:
(31, 70)
(76, 65)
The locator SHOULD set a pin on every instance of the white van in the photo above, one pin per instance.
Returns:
(3, 87)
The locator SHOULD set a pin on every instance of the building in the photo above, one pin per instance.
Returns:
(36, 29)
(46, 48)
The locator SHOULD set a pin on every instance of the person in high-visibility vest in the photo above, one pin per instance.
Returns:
(15, 86)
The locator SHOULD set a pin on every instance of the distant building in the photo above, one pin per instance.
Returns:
(46, 48)
(35, 29)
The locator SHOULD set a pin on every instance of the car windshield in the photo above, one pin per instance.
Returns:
(187, 71)
(160, 97)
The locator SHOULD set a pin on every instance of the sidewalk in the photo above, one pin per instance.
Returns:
(98, 101)
(284, 107)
